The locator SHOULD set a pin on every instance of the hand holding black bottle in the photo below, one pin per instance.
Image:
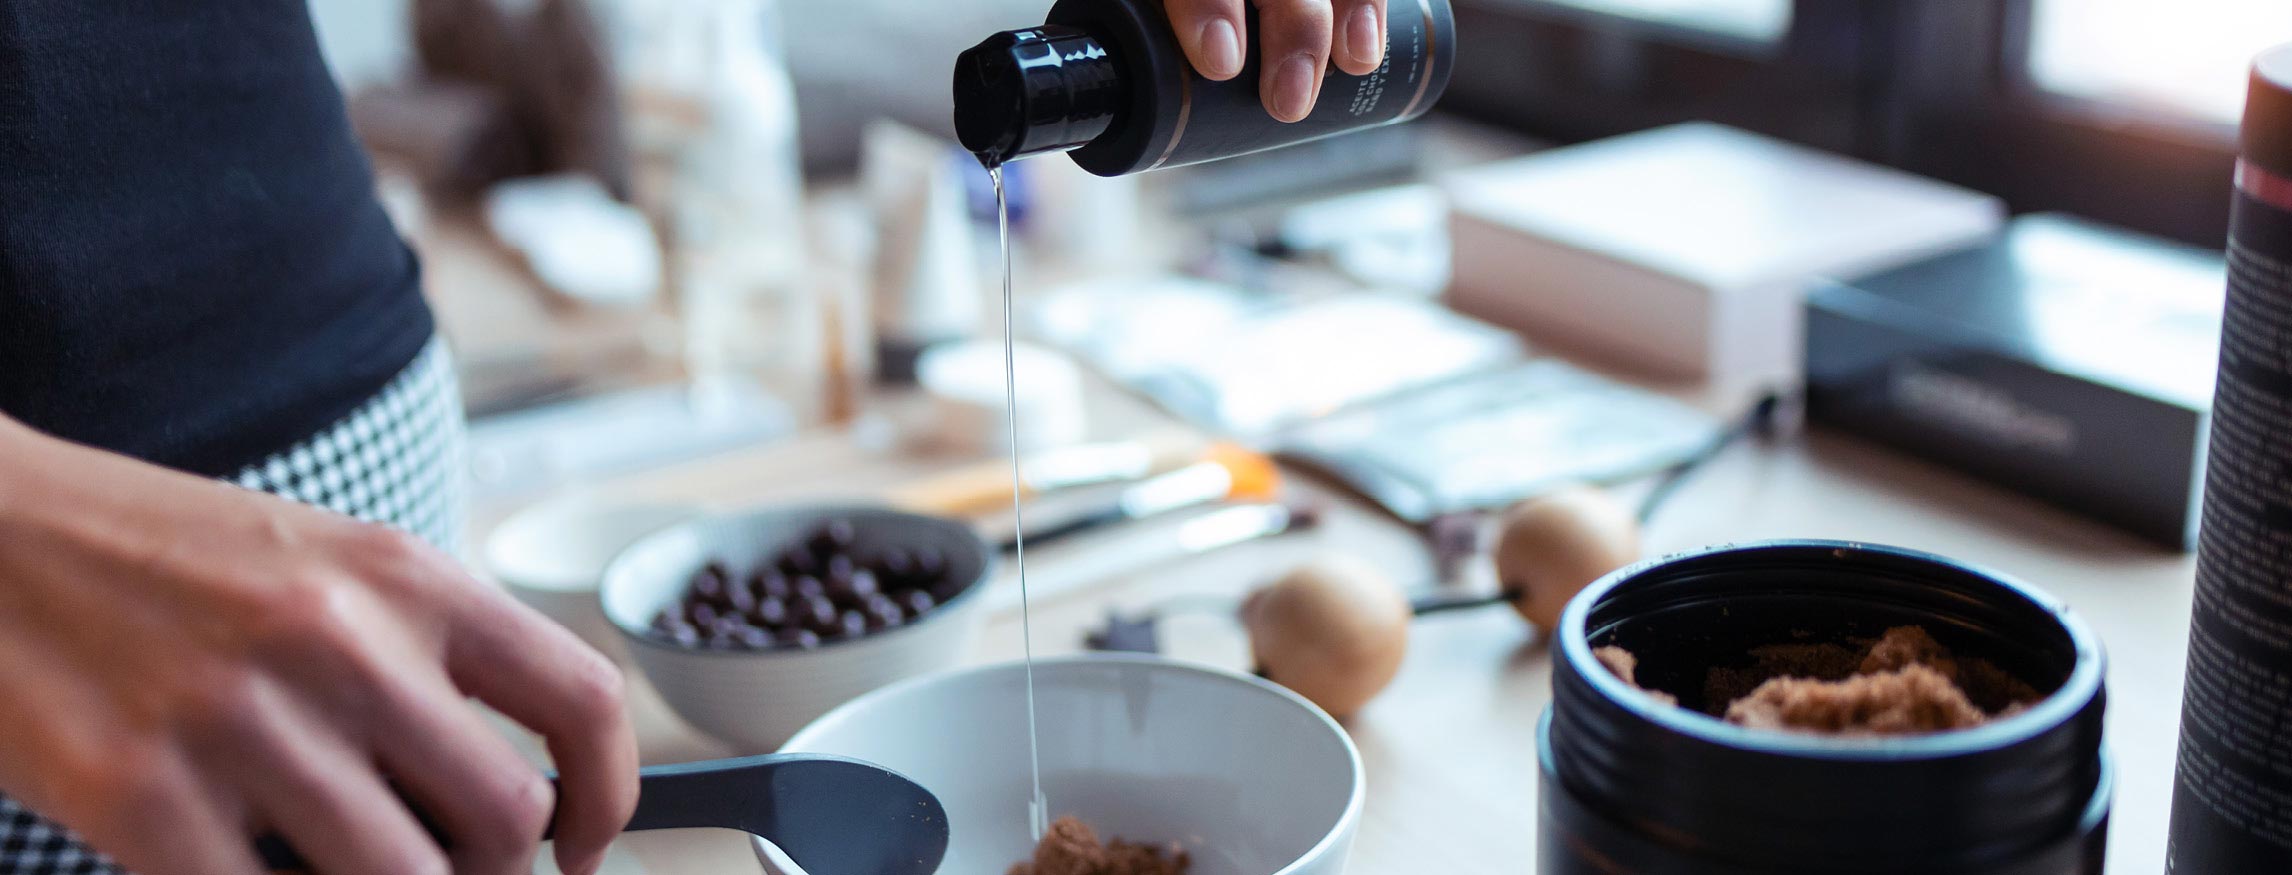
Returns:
(1108, 80)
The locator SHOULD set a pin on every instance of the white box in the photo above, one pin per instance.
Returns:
(1684, 251)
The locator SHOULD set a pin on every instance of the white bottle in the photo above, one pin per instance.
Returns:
(748, 311)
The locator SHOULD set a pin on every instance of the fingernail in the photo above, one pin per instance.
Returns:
(1364, 35)
(1293, 88)
(1221, 48)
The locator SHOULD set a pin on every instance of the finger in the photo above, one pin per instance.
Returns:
(1296, 34)
(326, 799)
(540, 675)
(1360, 44)
(492, 805)
(1213, 33)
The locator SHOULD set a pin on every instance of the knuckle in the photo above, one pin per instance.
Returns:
(517, 810)
(419, 858)
(1305, 16)
(308, 614)
(221, 701)
(399, 556)
(596, 686)
(531, 800)
(119, 778)
(136, 790)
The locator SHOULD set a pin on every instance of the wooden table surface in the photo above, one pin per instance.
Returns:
(1448, 747)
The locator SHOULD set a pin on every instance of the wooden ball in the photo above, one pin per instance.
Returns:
(1333, 630)
(1552, 546)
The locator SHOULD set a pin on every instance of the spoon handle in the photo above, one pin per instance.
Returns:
(827, 803)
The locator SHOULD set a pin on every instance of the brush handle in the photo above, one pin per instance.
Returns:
(1068, 528)
(969, 491)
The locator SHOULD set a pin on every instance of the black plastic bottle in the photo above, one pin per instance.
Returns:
(1108, 80)
(2232, 789)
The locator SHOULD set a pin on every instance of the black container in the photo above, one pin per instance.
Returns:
(1109, 80)
(2232, 792)
(1631, 785)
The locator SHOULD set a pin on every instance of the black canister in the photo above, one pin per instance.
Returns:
(1108, 80)
(1633, 785)
(2232, 786)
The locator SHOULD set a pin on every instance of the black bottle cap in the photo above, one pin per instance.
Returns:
(1025, 92)
(2268, 112)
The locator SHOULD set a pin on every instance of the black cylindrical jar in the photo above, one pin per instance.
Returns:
(2232, 784)
(1632, 785)
(1108, 80)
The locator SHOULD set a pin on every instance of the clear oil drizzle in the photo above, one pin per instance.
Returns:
(1038, 808)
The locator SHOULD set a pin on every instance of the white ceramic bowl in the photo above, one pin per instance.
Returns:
(754, 700)
(552, 555)
(1250, 777)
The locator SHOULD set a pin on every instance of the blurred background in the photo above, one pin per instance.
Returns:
(740, 134)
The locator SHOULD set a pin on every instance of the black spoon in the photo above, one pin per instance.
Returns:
(831, 815)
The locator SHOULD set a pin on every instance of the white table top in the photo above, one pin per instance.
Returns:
(1448, 747)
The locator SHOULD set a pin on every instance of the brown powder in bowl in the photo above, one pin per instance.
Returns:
(1825, 662)
(1902, 683)
(1624, 665)
(1904, 646)
(1071, 847)
(1906, 701)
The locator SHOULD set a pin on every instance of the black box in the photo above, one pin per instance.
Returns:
(2063, 359)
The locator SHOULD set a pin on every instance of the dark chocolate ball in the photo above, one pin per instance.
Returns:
(818, 614)
(795, 562)
(702, 614)
(770, 612)
(864, 584)
(896, 562)
(917, 602)
(800, 639)
(840, 568)
(707, 584)
(841, 534)
(884, 613)
(930, 563)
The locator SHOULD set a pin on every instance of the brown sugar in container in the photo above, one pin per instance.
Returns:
(1632, 784)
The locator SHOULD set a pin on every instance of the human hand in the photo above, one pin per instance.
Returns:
(1300, 39)
(186, 663)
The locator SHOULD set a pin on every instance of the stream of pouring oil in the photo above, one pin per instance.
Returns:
(1038, 809)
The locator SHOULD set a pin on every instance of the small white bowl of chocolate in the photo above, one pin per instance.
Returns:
(751, 624)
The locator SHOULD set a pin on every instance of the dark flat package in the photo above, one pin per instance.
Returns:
(2065, 360)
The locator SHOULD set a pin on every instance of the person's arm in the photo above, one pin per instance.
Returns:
(1301, 38)
(184, 662)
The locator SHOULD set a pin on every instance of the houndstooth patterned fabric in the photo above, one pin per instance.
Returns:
(396, 460)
